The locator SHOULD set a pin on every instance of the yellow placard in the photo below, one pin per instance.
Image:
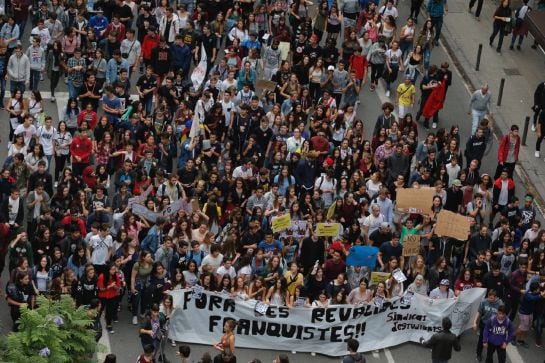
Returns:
(377, 277)
(281, 223)
(328, 229)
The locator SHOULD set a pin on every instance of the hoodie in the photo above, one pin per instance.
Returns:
(496, 332)
(36, 56)
(19, 68)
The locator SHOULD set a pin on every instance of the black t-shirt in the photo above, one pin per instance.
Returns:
(388, 250)
(209, 44)
(263, 137)
(298, 51)
(379, 238)
(187, 176)
(124, 11)
(145, 83)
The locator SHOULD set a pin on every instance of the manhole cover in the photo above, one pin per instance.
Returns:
(511, 71)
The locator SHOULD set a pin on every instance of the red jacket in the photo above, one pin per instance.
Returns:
(67, 221)
(82, 147)
(150, 42)
(91, 118)
(503, 149)
(108, 292)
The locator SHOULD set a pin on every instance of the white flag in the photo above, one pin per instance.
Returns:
(197, 77)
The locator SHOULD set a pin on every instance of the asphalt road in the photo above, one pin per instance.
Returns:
(125, 342)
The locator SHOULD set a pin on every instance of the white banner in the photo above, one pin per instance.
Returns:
(197, 76)
(172, 208)
(320, 330)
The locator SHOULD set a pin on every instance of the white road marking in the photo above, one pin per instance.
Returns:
(389, 356)
(513, 354)
(104, 346)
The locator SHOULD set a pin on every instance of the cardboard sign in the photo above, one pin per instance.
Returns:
(411, 245)
(284, 49)
(454, 225)
(377, 277)
(328, 229)
(415, 200)
(281, 223)
(265, 84)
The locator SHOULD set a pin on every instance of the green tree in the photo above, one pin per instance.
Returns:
(56, 332)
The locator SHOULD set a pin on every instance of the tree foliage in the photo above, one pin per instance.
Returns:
(54, 332)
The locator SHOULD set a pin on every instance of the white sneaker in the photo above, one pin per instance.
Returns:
(533, 127)
(293, 352)
(536, 154)
(313, 354)
(53, 99)
(135, 320)
(434, 125)
(387, 93)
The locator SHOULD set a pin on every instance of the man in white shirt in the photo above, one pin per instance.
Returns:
(228, 107)
(226, 269)
(213, 261)
(244, 171)
(99, 249)
(388, 9)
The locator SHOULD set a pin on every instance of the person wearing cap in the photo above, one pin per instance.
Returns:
(98, 23)
(502, 193)
(443, 291)
(442, 343)
(406, 93)
(455, 197)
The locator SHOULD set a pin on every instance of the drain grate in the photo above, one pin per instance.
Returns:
(512, 71)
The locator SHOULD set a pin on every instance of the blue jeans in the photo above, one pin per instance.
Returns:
(22, 25)
(34, 79)
(426, 52)
(148, 105)
(514, 38)
(437, 22)
(73, 90)
(17, 85)
(476, 117)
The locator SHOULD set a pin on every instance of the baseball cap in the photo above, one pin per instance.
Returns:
(457, 183)
(445, 282)
(384, 225)
(330, 68)
(329, 161)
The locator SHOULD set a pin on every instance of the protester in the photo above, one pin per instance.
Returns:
(442, 343)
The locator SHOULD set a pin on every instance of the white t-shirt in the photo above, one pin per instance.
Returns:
(100, 247)
(46, 138)
(214, 262)
(28, 132)
(373, 222)
(239, 173)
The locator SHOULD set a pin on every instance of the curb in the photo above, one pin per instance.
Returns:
(467, 78)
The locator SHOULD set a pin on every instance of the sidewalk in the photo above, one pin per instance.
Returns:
(522, 71)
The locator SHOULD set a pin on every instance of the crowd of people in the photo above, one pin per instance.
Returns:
(233, 152)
